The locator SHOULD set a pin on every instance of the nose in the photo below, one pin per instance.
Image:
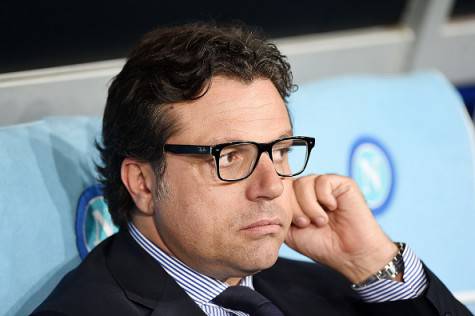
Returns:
(264, 182)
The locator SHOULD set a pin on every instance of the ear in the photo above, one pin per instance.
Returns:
(139, 179)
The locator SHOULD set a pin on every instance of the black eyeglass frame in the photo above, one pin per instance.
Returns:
(261, 148)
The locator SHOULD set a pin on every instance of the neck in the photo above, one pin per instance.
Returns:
(233, 281)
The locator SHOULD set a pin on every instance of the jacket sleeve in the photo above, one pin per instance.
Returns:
(436, 300)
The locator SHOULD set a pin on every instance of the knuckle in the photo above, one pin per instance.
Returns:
(323, 178)
(302, 182)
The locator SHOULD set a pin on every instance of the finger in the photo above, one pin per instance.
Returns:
(299, 218)
(324, 186)
(339, 191)
(304, 189)
(290, 239)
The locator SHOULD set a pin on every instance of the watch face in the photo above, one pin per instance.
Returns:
(391, 271)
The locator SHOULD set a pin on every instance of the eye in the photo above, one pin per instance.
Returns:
(279, 154)
(229, 158)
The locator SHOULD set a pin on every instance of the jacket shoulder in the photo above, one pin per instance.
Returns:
(89, 289)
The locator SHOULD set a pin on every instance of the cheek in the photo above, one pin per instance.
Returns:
(197, 213)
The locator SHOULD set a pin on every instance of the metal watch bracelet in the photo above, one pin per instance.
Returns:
(389, 271)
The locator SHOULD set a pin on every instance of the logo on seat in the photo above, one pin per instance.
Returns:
(93, 221)
(371, 166)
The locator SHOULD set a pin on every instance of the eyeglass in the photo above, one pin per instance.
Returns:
(237, 160)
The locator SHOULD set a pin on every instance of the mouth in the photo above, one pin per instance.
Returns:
(263, 227)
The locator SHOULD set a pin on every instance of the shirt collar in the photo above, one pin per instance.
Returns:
(199, 287)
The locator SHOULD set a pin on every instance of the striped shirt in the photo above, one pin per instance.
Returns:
(203, 289)
(415, 282)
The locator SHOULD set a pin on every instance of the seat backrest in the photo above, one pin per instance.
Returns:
(409, 143)
(406, 139)
(45, 166)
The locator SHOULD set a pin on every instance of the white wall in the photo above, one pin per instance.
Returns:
(424, 40)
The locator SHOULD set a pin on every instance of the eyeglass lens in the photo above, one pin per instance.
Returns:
(237, 161)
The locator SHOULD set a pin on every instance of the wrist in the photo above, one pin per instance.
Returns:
(393, 270)
(364, 266)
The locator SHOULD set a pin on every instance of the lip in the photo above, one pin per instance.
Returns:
(263, 222)
(263, 227)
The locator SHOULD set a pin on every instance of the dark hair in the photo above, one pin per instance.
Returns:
(171, 65)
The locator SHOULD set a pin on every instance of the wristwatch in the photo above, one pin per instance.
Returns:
(389, 271)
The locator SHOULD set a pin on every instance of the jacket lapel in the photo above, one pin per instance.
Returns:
(144, 281)
(263, 286)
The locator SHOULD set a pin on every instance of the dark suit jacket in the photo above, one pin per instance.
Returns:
(119, 278)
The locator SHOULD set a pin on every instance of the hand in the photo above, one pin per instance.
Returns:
(333, 225)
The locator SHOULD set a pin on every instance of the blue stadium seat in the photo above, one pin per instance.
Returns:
(407, 140)
(409, 143)
(45, 166)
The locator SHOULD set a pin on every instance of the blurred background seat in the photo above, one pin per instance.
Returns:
(407, 140)
(409, 143)
(45, 165)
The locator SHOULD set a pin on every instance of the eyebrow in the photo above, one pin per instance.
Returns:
(219, 140)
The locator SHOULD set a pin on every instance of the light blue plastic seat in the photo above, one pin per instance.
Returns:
(413, 154)
(409, 142)
(45, 166)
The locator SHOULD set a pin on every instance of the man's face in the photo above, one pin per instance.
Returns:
(216, 227)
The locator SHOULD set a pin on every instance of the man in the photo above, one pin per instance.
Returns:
(199, 166)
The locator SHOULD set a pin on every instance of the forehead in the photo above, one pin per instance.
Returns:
(232, 110)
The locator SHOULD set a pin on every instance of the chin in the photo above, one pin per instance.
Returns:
(268, 261)
(260, 258)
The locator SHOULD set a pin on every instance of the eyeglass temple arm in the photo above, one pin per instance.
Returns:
(187, 149)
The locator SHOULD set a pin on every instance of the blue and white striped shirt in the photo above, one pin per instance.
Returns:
(203, 289)
(415, 282)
